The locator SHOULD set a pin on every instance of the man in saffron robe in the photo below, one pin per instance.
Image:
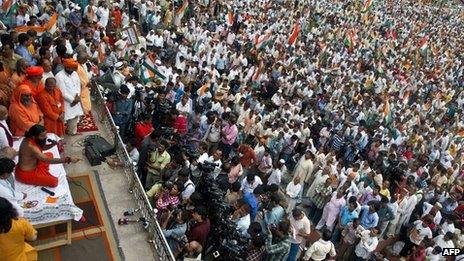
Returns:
(34, 80)
(33, 164)
(24, 111)
(51, 102)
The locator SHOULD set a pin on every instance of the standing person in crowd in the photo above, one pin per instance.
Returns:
(322, 248)
(301, 232)
(51, 102)
(354, 103)
(68, 82)
(278, 248)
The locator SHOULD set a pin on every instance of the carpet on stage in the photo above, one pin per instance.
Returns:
(87, 124)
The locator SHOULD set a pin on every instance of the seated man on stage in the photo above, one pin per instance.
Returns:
(33, 164)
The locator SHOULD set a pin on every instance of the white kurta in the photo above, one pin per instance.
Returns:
(304, 169)
(70, 87)
(8, 192)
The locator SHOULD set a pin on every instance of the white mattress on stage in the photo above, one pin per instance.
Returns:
(62, 208)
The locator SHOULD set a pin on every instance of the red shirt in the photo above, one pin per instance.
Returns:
(248, 156)
(180, 124)
(199, 232)
(141, 131)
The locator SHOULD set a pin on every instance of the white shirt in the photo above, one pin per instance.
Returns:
(158, 41)
(275, 177)
(303, 225)
(421, 232)
(247, 187)
(134, 155)
(319, 250)
(439, 241)
(430, 256)
(293, 190)
(3, 137)
(183, 108)
(189, 188)
(8, 192)
(104, 15)
(367, 245)
(243, 223)
(70, 86)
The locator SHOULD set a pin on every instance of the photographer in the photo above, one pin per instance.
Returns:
(174, 227)
(157, 161)
(169, 196)
(122, 110)
(200, 227)
(161, 111)
(254, 199)
(189, 187)
(274, 214)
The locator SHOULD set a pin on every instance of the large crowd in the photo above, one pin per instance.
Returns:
(334, 129)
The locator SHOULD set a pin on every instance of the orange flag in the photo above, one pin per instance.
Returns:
(294, 35)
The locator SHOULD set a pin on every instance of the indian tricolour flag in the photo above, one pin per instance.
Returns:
(460, 135)
(367, 6)
(230, 18)
(386, 111)
(49, 27)
(183, 9)
(349, 39)
(149, 70)
(262, 41)
(294, 35)
(258, 71)
(7, 4)
(423, 44)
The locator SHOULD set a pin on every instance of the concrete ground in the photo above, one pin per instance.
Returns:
(131, 238)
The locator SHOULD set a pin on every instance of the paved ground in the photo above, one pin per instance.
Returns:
(132, 238)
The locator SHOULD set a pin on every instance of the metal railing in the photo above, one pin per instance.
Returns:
(158, 241)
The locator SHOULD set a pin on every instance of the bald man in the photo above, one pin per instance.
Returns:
(6, 138)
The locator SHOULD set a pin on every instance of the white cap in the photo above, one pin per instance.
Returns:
(118, 65)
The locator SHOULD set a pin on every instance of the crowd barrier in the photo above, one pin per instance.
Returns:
(158, 241)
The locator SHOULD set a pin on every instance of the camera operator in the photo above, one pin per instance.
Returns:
(274, 213)
(200, 227)
(158, 159)
(216, 160)
(241, 217)
(122, 109)
(174, 227)
(254, 199)
(189, 187)
(161, 111)
(169, 196)
(256, 252)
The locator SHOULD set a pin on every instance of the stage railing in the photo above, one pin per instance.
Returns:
(158, 241)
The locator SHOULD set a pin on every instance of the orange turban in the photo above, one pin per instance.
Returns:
(70, 63)
(34, 71)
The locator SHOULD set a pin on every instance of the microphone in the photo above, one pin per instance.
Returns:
(52, 141)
